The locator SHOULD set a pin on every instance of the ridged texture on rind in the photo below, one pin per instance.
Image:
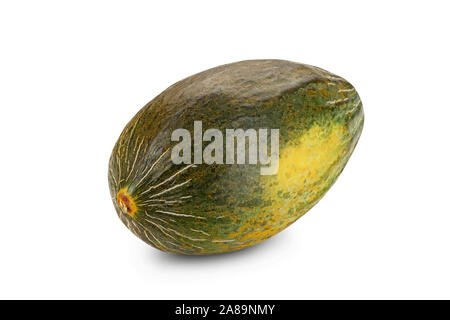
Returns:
(208, 209)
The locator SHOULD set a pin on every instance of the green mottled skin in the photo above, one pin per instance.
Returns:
(221, 208)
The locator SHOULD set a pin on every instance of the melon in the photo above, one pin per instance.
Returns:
(178, 183)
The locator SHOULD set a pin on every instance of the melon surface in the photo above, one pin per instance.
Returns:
(200, 209)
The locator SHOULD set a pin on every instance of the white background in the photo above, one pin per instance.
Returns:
(72, 74)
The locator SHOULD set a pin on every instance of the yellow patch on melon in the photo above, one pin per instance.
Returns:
(306, 167)
(305, 162)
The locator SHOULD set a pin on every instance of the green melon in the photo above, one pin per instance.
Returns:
(199, 208)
